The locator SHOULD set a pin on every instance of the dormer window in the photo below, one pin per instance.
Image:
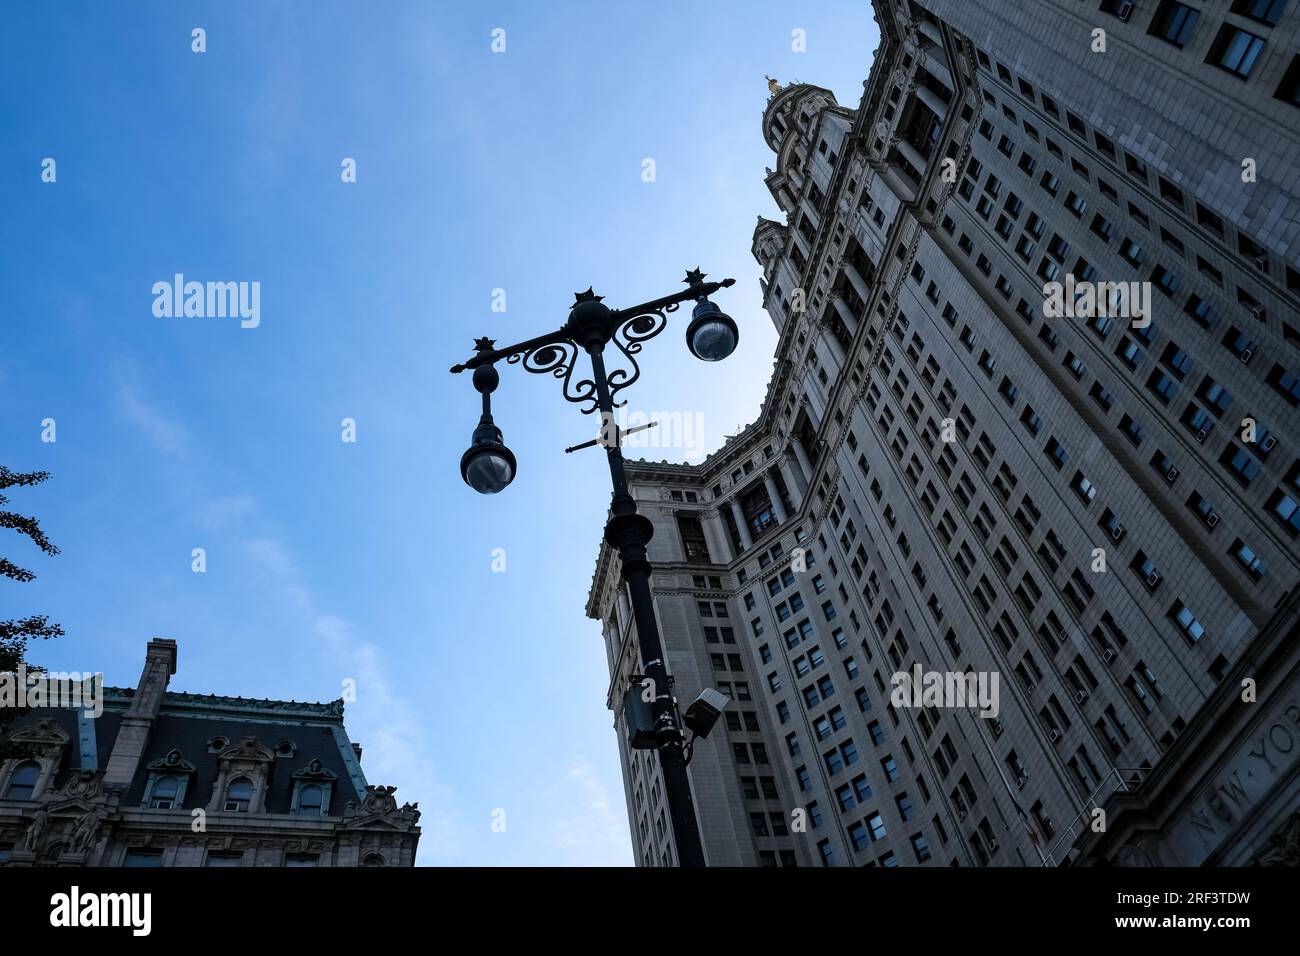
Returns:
(312, 787)
(286, 748)
(311, 800)
(22, 784)
(169, 781)
(165, 791)
(239, 795)
(218, 744)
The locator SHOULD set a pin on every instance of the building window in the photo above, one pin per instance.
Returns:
(22, 783)
(693, 541)
(827, 853)
(1235, 51)
(1267, 12)
(1174, 23)
(877, 824)
(139, 856)
(1248, 559)
(1289, 89)
(311, 800)
(239, 796)
(1186, 621)
(164, 793)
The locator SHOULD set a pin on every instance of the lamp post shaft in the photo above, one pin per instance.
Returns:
(488, 466)
(629, 532)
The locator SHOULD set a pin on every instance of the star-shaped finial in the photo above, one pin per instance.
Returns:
(588, 296)
(695, 277)
(484, 344)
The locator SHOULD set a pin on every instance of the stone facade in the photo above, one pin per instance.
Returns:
(171, 779)
(1101, 511)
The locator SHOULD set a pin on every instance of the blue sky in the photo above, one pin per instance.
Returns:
(476, 171)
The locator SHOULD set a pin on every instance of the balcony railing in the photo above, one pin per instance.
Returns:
(1117, 780)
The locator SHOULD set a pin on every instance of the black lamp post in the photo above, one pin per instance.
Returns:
(488, 466)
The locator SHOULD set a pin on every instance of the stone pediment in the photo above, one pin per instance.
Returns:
(379, 811)
(45, 732)
(80, 793)
(174, 762)
(377, 822)
(315, 771)
(249, 748)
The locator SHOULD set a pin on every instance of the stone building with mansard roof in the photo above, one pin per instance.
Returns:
(175, 779)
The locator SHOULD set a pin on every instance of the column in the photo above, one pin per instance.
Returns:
(850, 320)
(746, 541)
(715, 535)
(936, 105)
(859, 285)
(832, 343)
(801, 457)
(774, 497)
(794, 482)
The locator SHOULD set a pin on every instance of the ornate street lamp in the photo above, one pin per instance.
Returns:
(489, 466)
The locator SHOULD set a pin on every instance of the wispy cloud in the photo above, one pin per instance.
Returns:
(592, 832)
(158, 428)
(397, 749)
(226, 510)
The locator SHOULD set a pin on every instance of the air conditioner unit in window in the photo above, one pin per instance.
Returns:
(1125, 10)
(1117, 531)
(1200, 435)
(1269, 443)
(1020, 781)
(997, 728)
(1108, 655)
(1153, 579)
(1257, 312)
(961, 814)
(993, 846)
(1054, 736)
(1080, 697)
(1171, 474)
(1245, 355)
(1212, 518)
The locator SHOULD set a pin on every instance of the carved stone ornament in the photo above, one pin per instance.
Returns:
(1283, 847)
(85, 834)
(84, 784)
(34, 836)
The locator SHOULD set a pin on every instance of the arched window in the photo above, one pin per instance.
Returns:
(373, 859)
(164, 793)
(239, 795)
(311, 800)
(22, 784)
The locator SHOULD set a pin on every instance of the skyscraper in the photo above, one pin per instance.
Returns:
(1032, 431)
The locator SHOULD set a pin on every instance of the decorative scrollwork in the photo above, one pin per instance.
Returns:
(629, 337)
(558, 359)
